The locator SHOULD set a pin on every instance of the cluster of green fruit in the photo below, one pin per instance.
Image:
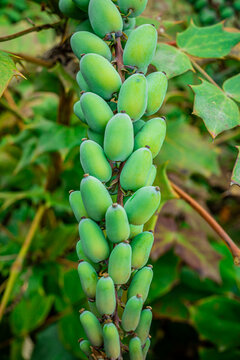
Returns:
(116, 196)
(211, 11)
(12, 9)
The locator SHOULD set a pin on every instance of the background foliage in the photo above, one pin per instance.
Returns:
(196, 288)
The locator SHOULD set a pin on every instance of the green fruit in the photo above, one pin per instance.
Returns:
(93, 307)
(141, 282)
(92, 328)
(94, 244)
(100, 75)
(94, 161)
(81, 82)
(117, 225)
(69, 9)
(88, 278)
(119, 265)
(199, 4)
(141, 206)
(78, 111)
(151, 175)
(144, 325)
(118, 138)
(152, 134)
(81, 255)
(82, 4)
(105, 296)
(129, 23)
(131, 313)
(141, 248)
(146, 348)
(132, 7)
(76, 203)
(95, 196)
(137, 126)
(135, 230)
(111, 341)
(157, 87)
(84, 26)
(104, 17)
(132, 97)
(84, 42)
(140, 47)
(236, 5)
(135, 172)
(135, 349)
(96, 111)
(226, 12)
(94, 136)
(85, 347)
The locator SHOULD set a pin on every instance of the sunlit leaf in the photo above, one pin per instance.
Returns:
(236, 170)
(7, 70)
(232, 87)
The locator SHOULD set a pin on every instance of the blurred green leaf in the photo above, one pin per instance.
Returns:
(212, 354)
(218, 112)
(207, 42)
(140, 20)
(167, 192)
(236, 170)
(7, 70)
(72, 287)
(232, 87)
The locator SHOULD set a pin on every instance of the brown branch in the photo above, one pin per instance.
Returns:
(119, 58)
(204, 73)
(32, 59)
(211, 221)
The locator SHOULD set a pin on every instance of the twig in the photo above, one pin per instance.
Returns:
(119, 58)
(17, 265)
(204, 73)
(32, 59)
(211, 221)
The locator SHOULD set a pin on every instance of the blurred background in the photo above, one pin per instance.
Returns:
(196, 287)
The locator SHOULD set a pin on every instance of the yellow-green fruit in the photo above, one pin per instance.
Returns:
(144, 325)
(137, 126)
(157, 88)
(76, 203)
(135, 230)
(94, 161)
(132, 97)
(131, 313)
(93, 307)
(142, 205)
(92, 328)
(85, 347)
(95, 196)
(152, 134)
(135, 172)
(69, 9)
(81, 255)
(100, 75)
(151, 175)
(117, 225)
(119, 266)
(140, 47)
(81, 82)
(146, 348)
(82, 4)
(129, 23)
(78, 111)
(135, 349)
(88, 278)
(141, 282)
(104, 17)
(105, 296)
(118, 138)
(94, 243)
(132, 7)
(93, 135)
(111, 341)
(84, 42)
(141, 247)
(96, 111)
(84, 26)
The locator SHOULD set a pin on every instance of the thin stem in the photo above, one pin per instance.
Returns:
(204, 73)
(211, 221)
(32, 59)
(119, 58)
(17, 265)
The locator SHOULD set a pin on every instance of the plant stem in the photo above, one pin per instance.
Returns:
(204, 73)
(17, 265)
(32, 59)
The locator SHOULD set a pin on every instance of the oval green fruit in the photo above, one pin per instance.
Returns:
(118, 138)
(111, 341)
(92, 328)
(78, 111)
(131, 313)
(152, 134)
(81, 82)
(95, 196)
(94, 243)
(146, 348)
(82, 4)
(84, 42)
(157, 88)
(84, 26)
(81, 255)
(151, 175)
(129, 23)
(135, 172)
(105, 295)
(117, 225)
(94, 136)
(135, 349)
(69, 9)
(76, 203)
(132, 7)
(143, 204)
(119, 265)
(88, 278)
(141, 282)
(104, 17)
(141, 246)
(85, 347)
(100, 75)
(144, 325)
(132, 97)
(137, 126)
(135, 230)
(140, 47)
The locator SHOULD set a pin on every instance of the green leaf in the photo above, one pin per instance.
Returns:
(171, 60)
(232, 87)
(7, 70)
(207, 42)
(213, 354)
(72, 287)
(167, 192)
(217, 319)
(140, 20)
(236, 170)
(218, 112)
